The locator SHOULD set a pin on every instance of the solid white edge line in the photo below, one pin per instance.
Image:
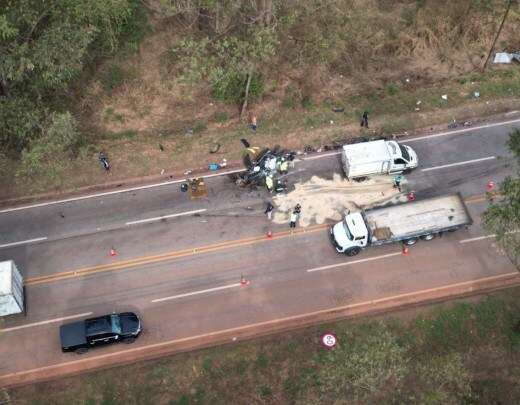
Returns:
(459, 131)
(180, 214)
(477, 238)
(174, 297)
(23, 242)
(29, 325)
(85, 197)
(484, 237)
(368, 259)
(125, 190)
(458, 163)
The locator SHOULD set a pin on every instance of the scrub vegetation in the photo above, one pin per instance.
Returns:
(78, 77)
(465, 353)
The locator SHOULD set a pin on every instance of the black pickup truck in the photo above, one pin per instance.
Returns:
(79, 336)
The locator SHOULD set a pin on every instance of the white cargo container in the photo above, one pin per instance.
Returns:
(11, 289)
(377, 157)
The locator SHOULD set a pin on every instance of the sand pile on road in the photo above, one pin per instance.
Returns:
(323, 199)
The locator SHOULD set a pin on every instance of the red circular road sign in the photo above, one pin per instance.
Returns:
(329, 340)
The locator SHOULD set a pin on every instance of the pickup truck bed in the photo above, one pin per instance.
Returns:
(412, 219)
(73, 336)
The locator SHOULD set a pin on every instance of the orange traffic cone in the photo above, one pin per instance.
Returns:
(243, 281)
(113, 251)
(405, 249)
(269, 234)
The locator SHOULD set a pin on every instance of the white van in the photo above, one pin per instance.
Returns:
(377, 157)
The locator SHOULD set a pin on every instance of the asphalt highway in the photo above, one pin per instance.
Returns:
(182, 273)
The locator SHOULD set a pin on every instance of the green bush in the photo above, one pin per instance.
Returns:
(230, 88)
(369, 360)
(115, 76)
(220, 117)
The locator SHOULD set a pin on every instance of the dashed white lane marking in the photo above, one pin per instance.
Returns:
(23, 242)
(332, 266)
(180, 214)
(467, 162)
(174, 297)
(30, 325)
(461, 131)
(126, 190)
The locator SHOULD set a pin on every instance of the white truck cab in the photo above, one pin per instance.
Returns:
(351, 234)
(377, 157)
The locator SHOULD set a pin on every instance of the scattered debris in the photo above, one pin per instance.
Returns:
(161, 147)
(444, 97)
(321, 199)
(476, 94)
(505, 57)
(197, 188)
(338, 109)
(214, 148)
(418, 102)
(162, 172)
(103, 159)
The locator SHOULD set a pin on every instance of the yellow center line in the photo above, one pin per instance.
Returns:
(131, 263)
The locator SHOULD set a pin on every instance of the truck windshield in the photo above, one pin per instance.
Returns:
(404, 152)
(347, 231)
(115, 324)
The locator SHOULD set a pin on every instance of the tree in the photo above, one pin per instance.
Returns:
(44, 45)
(502, 218)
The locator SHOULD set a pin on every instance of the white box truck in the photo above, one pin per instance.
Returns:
(377, 157)
(406, 223)
(11, 289)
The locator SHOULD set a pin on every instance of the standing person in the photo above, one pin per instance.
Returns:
(397, 182)
(295, 215)
(269, 210)
(364, 119)
(253, 123)
(294, 218)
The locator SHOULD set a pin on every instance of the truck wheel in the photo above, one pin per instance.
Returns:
(360, 179)
(81, 350)
(353, 251)
(430, 236)
(129, 340)
(410, 242)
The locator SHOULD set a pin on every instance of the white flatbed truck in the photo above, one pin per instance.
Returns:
(406, 222)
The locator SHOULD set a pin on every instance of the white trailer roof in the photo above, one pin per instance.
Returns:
(366, 152)
(6, 274)
(419, 216)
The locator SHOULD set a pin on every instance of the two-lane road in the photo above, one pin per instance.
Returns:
(182, 274)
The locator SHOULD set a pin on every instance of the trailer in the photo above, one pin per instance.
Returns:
(11, 289)
(406, 223)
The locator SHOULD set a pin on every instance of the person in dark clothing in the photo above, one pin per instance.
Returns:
(269, 210)
(364, 119)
